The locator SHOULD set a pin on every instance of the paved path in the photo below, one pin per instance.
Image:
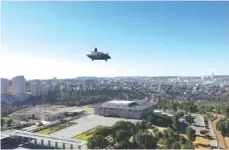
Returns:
(213, 143)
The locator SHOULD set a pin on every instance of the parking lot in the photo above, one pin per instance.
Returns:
(86, 123)
(199, 124)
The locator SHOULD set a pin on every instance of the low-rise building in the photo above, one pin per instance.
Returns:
(124, 109)
(47, 113)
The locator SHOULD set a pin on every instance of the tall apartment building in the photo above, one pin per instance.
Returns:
(44, 89)
(4, 86)
(18, 85)
(35, 89)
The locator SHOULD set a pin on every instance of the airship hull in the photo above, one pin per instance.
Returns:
(98, 55)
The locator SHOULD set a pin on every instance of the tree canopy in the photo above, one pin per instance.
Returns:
(191, 134)
(145, 140)
(97, 142)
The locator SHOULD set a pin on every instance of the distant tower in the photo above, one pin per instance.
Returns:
(212, 76)
(4, 86)
(19, 85)
(202, 78)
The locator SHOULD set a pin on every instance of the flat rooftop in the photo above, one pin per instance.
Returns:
(125, 105)
(119, 103)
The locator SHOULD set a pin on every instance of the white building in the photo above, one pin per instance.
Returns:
(35, 89)
(124, 109)
(19, 85)
(4, 86)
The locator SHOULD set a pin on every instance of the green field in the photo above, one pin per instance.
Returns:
(85, 135)
(55, 128)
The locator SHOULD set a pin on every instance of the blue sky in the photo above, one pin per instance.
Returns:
(47, 39)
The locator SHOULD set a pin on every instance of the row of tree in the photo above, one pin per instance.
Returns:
(187, 106)
(219, 108)
(8, 122)
(223, 126)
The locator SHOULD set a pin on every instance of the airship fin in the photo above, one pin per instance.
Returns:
(95, 50)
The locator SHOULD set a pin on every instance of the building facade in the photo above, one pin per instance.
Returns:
(35, 89)
(44, 89)
(18, 85)
(4, 86)
(48, 113)
(125, 109)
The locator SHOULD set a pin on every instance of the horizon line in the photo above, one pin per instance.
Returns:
(193, 76)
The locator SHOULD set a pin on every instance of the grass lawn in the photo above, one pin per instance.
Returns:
(6, 118)
(85, 135)
(55, 128)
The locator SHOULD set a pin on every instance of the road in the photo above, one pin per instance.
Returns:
(213, 142)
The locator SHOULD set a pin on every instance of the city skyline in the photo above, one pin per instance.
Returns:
(42, 40)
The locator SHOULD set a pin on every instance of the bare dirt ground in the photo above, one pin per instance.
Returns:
(201, 143)
(227, 142)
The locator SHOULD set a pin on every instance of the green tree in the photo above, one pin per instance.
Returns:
(158, 135)
(174, 106)
(125, 144)
(145, 140)
(223, 126)
(191, 134)
(180, 114)
(189, 119)
(187, 146)
(97, 142)
(164, 107)
(218, 109)
(182, 140)
(176, 123)
(175, 145)
(124, 125)
(202, 107)
(155, 130)
(169, 137)
(102, 130)
(151, 119)
(9, 122)
(122, 135)
(2, 121)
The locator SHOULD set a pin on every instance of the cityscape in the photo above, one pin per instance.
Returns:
(37, 106)
(114, 75)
